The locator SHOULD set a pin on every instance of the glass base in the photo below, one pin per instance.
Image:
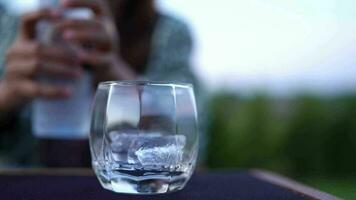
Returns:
(148, 184)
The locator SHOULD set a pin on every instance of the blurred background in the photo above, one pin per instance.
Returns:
(281, 78)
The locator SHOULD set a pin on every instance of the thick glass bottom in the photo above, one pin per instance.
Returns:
(142, 181)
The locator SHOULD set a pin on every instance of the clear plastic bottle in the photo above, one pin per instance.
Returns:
(65, 118)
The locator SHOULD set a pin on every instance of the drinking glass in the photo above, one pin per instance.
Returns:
(144, 136)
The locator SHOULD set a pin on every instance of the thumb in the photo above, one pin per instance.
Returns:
(29, 21)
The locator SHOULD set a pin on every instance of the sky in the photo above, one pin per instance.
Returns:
(275, 45)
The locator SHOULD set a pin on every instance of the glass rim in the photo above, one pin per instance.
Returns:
(145, 83)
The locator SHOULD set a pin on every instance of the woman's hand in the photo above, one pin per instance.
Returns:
(100, 37)
(27, 59)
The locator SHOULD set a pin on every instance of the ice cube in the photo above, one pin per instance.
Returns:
(157, 150)
(120, 143)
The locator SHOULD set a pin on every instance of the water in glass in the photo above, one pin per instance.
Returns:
(144, 136)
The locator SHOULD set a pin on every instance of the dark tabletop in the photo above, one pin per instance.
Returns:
(214, 186)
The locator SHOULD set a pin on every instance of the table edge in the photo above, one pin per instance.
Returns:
(291, 185)
(263, 175)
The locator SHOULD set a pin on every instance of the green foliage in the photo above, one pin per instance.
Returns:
(302, 136)
(341, 187)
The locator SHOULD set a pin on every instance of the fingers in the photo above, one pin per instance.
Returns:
(29, 20)
(58, 54)
(23, 49)
(21, 69)
(28, 50)
(30, 60)
(99, 62)
(96, 39)
(30, 89)
(87, 32)
(17, 92)
(94, 5)
(78, 24)
(58, 70)
(33, 68)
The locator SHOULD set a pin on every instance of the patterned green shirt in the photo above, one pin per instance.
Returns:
(16, 141)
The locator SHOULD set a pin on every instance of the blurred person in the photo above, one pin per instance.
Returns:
(129, 39)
